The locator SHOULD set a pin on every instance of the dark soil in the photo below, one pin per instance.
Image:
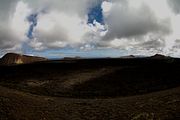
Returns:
(92, 89)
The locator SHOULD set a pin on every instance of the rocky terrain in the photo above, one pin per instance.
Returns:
(92, 89)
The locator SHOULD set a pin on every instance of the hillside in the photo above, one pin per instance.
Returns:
(159, 56)
(16, 105)
(13, 58)
(126, 89)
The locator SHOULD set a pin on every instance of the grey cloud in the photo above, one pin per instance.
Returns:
(176, 44)
(152, 46)
(155, 44)
(79, 7)
(6, 8)
(48, 39)
(175, 5)
(124, 22)
(7, 38)
(175, 50)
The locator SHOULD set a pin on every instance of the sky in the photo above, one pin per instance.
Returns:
(90, 28)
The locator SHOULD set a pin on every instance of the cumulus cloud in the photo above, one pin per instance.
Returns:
(64, 23)
(80, 7)
(57, 30)
(59, 23)
(137, 26)
(12, 26)
(5, 40)
(124, 21)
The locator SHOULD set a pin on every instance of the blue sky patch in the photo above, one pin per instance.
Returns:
(95, 13)
(32, 19)
(70, 52)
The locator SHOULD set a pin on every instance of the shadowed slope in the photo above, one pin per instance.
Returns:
(91, 78)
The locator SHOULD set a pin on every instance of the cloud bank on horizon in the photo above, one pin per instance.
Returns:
(140, 27)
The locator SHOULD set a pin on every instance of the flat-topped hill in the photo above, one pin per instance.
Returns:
(13, 58)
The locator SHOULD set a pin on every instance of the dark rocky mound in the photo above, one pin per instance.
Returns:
(13, 59)
(130, 56)
(159, 56)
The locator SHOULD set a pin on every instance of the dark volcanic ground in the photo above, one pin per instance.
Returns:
(92, 89)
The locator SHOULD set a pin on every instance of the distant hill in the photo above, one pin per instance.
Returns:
(72, 58)
(130, 56)
(13, 58)
(159, 56)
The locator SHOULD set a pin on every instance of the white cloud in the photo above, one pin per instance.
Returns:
(106, 6)
(18, 22)
(13, 26)
(138, 26)
(57, 29)
(132, 25)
